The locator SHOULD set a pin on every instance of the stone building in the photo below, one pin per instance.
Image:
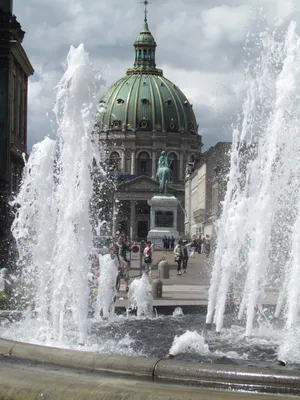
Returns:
(205, 188)
(15, 69)
(142, 114)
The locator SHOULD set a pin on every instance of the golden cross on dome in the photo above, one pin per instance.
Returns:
(146, 2)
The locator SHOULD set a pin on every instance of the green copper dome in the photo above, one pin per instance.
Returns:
(144, 99)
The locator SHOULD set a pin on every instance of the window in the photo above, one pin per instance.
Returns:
(144, 164)
(114, 161)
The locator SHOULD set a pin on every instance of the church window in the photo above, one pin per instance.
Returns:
(116, 124)
(172, 125)
(191, 126)
(114, 161)
(145, 101)
(120, 101)
(173, 163)
(144, 124)
(144, 164)
(168, 102)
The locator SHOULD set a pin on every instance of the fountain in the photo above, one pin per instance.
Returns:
(257, 250)
(105, 304)
(140, 298)
(258, 234)
(52, 225)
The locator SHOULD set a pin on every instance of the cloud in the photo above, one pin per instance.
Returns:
(200, 47)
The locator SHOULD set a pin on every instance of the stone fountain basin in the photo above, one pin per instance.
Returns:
(154, 370)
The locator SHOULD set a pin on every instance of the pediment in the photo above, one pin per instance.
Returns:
(141, 183)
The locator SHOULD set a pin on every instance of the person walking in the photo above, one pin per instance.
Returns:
(185, 255)
(178, 252)
(193, 248)
(148, 255)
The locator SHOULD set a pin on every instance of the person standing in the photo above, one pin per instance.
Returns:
(121, 251)
(5, 288)
(178, 252)
(169, 244)
(172, 243)
(207, 245)
(165, 244)
(185, 255)
(199, 244)
(148, 255)
(203, 246)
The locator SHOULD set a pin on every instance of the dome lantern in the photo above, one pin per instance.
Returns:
(144, 47)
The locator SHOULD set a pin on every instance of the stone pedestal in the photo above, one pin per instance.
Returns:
(163, 219)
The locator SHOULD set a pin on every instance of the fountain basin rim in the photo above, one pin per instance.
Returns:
(160, 370)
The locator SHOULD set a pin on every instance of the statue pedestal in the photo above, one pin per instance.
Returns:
(163, 219)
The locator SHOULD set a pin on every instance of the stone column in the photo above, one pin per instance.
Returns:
(122, 160)
(132, 162)
(181, 165)
(132, 220)
(153, 164)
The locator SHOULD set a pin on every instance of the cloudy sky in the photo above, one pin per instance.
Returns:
(199, 46)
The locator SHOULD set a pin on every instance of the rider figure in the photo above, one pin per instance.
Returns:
(163, 160)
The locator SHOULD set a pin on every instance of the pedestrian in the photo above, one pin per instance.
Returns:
(172, 243)
(165, 244)
(207, 245)
(193, 248)
(169, 243)
(148, 256)
(121, 252)
(199, 244)
(203, 246)
(5, 288)
(178, 252)
(185, 255)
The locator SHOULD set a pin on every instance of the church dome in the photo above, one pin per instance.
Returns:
(144, 100)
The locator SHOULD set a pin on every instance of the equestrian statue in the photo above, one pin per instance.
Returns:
(163, 173)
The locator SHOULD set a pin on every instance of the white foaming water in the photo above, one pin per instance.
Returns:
(52, 225)
(258, 233)
(105, 305)
(193, 342)
(178, 312)
(189, 342)
(140, 297)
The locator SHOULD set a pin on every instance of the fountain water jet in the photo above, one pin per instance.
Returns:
(52, 224)
(106, 287)
(256, 248)
(140, 298)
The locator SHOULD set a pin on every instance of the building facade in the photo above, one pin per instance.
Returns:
(142, 114)
(205, 188)
(15, 69)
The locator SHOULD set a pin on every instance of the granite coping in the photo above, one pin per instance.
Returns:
(163, 371)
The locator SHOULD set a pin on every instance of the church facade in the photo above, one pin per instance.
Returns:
(142, 114)
(15, 68)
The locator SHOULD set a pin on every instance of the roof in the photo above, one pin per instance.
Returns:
(144, 99)
(146, 102)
